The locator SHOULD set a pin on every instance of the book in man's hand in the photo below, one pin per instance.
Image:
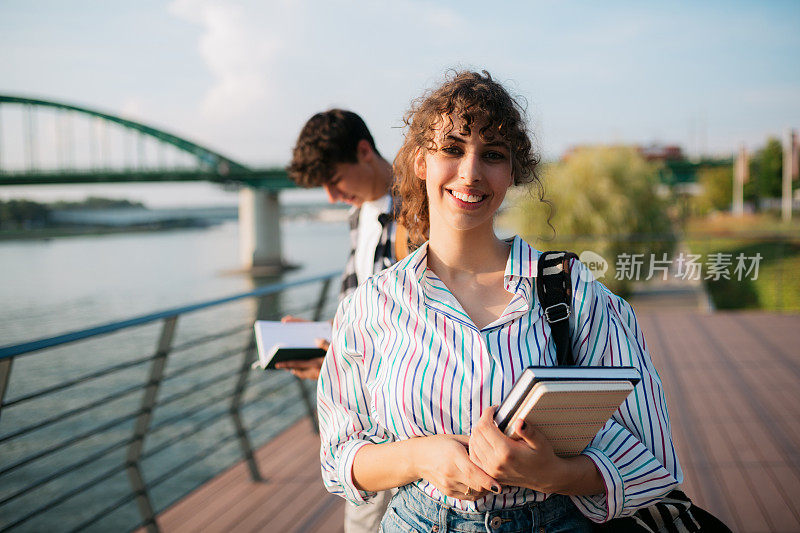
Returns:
(290, 341)
(569, 404)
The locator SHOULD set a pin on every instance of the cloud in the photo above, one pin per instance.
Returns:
(237, 55)
(589, 72)
(274, 66)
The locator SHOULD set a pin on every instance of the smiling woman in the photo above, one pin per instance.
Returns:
(441, 124)
(423, 352)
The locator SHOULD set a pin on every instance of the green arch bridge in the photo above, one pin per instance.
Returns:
(210, 165)
(259, 206)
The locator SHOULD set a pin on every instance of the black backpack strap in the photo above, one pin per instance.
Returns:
(554, 288)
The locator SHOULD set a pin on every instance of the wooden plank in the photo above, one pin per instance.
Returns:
(293, 489)
(748, 516)
(749, 395)
(675, 369)
(330, 518)
(789, 485)
(217, 493)
(246, 497)
(746, 414)
(294, 516)
(225, 490)
(206, 494)
(284, 494)
(780, 515)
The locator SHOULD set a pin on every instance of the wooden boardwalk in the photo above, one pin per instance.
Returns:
(733, 388)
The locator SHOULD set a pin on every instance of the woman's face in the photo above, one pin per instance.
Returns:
(466, 177)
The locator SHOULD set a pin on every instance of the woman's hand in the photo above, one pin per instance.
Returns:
(529, 462)
(443, 460)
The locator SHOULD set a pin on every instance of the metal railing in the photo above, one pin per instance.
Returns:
(35, 463)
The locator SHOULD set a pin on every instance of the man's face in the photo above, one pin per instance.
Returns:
(353, 183)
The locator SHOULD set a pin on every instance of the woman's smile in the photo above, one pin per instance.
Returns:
(467, 199)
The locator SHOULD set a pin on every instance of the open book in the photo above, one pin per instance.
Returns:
(291, 341)
(568, 404)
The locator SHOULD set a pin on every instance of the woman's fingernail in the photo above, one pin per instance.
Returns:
(495, 489)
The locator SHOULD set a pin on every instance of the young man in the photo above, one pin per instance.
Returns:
(335, 150)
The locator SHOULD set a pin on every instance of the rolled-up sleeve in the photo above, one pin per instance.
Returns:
(633, 452)
(343, 402)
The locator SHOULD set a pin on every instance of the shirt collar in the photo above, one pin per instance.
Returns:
(379, 205)
(519, 279)
(522, 261)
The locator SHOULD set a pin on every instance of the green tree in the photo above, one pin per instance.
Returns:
(766, 167)
(15, 214)
(717, 185)
(604, 199)
(96, 202)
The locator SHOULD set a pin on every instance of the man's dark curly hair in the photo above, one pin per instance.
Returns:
(476, 99)
(328, 138)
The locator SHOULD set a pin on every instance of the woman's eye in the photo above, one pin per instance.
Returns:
(495, 156)
(452, 150)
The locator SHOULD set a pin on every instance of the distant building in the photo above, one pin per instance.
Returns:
(661, 152)
(651, 152)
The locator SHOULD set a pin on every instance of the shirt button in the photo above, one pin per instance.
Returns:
(495, 522)
(435, 529)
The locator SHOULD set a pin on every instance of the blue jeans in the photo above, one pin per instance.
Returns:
(413, 510)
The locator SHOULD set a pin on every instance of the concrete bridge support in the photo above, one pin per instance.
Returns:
(260, 231)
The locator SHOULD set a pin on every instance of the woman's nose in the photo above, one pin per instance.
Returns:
(469, 168)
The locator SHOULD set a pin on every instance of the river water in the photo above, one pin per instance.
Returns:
(66, 284)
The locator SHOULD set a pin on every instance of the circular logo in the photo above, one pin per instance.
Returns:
(596, 266)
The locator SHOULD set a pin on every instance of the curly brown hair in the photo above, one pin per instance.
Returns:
(327, 138)
(474, 98)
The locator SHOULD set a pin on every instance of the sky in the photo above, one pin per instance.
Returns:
(241, 77)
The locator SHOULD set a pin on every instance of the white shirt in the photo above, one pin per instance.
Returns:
(369, 234)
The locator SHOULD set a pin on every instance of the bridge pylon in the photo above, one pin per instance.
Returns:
(260, 249)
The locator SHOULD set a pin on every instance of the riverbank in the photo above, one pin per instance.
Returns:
(46, 234)
(88, 222)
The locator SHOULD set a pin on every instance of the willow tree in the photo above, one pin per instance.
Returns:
(602, 199)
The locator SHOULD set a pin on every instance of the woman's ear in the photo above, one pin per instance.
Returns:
(419, 164)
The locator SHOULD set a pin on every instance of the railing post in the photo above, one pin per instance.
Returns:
(322, 299)
(142, 425)
(311, 409)
(5, 373)
(236, 414)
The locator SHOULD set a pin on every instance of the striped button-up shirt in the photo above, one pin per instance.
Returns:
(406, 361)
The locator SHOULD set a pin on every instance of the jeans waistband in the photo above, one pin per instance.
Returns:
(523, 518)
